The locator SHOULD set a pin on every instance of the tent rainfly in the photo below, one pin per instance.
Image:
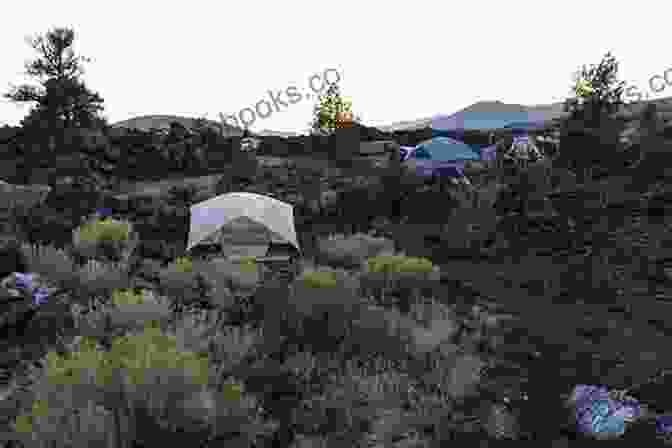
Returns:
(216, 216)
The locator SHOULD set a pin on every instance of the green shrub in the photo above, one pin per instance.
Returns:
(104, 230)
(387, 273)
(138, 354)
(318, 279)
(122, 297)
(132, 311)
(385, 264)
(104, 238)
(151, 374)
(415, 265)
(350, 252)
(58, 390)
(321, 303)
(225, 346)
(183, 264)
(399, 263)
(52, 263)
(247, 263)
(24, 423)
(181, 284)
(98, 279)
(240, 277)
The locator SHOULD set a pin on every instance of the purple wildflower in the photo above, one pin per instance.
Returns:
(103, 212)
(598, 414)
(40, 296)
(664, 424)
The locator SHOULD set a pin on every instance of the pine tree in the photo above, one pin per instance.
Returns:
(62, 100)
(598, 92)
(591, 132)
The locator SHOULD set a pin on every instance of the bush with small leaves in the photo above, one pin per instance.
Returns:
(241, 277)
(389, 272)
(150, 373)
(318, 279)
(349, 252)
(97, 279)
(148, 360)
(180, 282)
(183, 264)
(128, 311)
(52, 263)
(399, 263)
(90, 427)
(321, 303)
(107, 239)
(226, 346)
(248, 263)
(62, 406)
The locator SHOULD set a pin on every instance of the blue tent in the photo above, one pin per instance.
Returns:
(444, 149)
(440, 156)
(449, 171)
(527, 125)
(491, 116)
(455, 125)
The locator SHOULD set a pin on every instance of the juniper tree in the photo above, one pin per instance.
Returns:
(62, 100)
(590, 134)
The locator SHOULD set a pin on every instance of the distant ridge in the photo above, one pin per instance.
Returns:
(552, 110)
(147, 122)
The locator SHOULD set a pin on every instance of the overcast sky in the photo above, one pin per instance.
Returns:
(397, 61)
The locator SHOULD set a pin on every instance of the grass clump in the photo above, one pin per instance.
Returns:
(122, 297)
(247, 263)
(107, 229)
(183, 264)
(318, 279)
(399, 264)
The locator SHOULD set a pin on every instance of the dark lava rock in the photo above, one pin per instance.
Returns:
(15, 310)
(11, 257)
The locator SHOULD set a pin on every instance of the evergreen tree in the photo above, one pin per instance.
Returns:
(330, 108)
(598, 92)
(590, 134)
(62, 99)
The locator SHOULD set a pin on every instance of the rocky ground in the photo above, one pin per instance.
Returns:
(588, 292)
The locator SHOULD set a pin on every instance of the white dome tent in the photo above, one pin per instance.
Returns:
(245, 224)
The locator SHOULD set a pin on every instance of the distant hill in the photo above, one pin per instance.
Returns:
(147, 122)
(407, 125)
(553, 110)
